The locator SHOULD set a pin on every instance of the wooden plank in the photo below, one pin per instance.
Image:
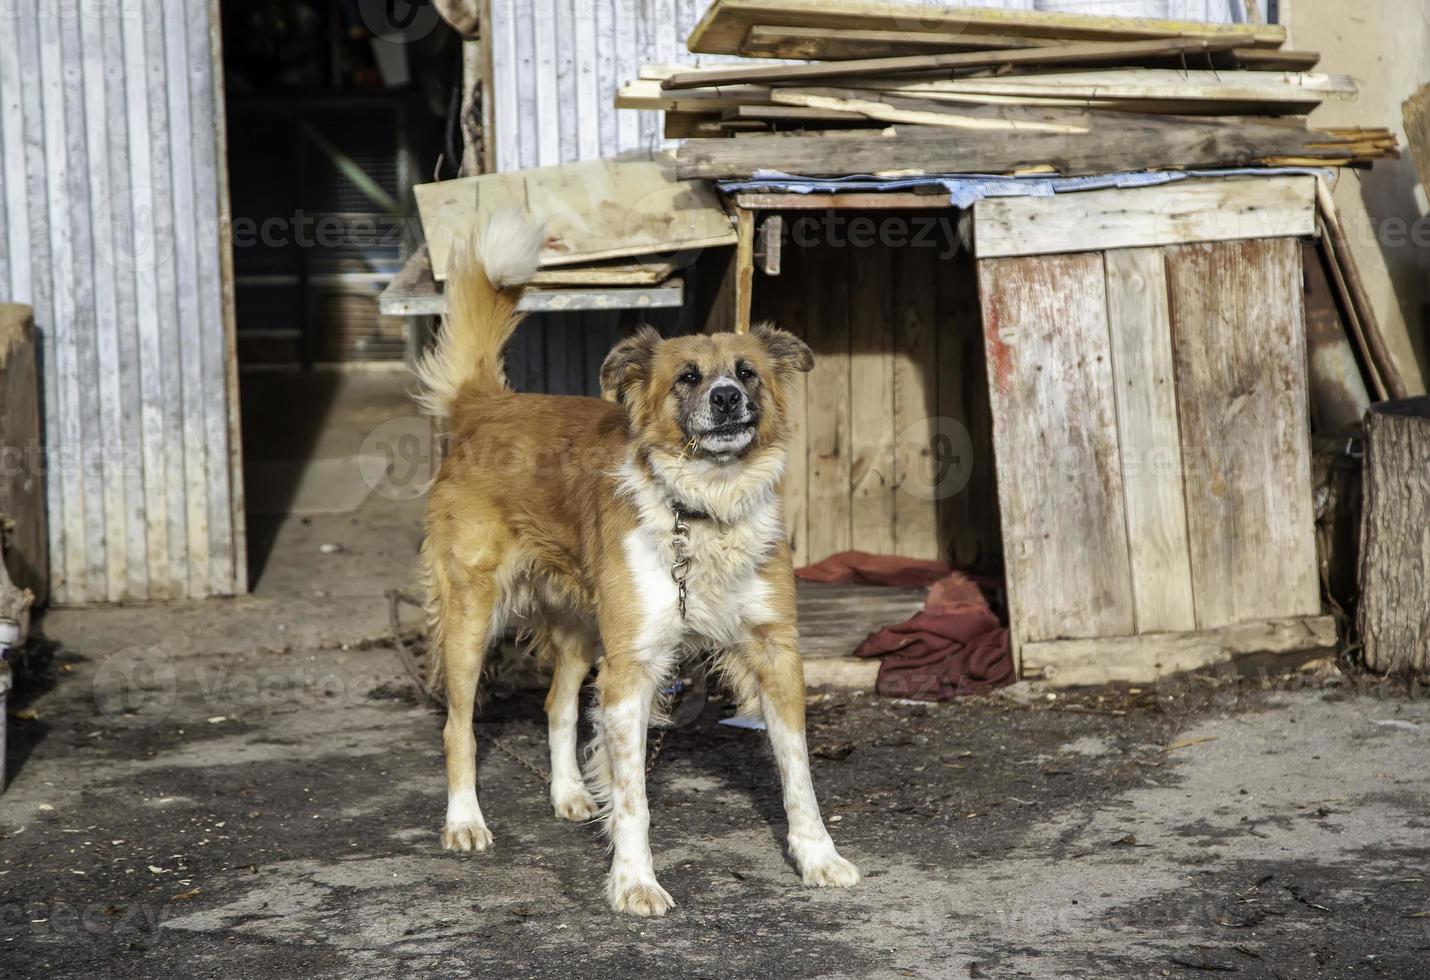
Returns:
(1089, 53)
(878, 200)
(1268, 59)
(646, 271)
(1055, 432)
(1348, 276)
(744, 268)
(1239, 350)
(1305, 89)
(22, 485)
(727, 23)
(646, 93)
(1140, 329)
(789, 113)
(1152, 656)
(915, 370)
(770, 248)
(786, 307)
(413, 292)
(1137, 142)
(826, 277)
(593, 210)
(1183, 211)
(872, 412)
(931, 114)
(836, 44)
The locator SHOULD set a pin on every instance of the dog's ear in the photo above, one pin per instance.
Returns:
(629, 361)
(787, 351)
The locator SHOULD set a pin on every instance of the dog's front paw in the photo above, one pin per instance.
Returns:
(469, 836)
(821, 867)
(641, 895)
(573, 803)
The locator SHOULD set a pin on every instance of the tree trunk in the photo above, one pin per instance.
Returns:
(1395, 537)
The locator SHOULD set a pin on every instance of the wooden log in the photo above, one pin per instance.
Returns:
(1395, 537)
(22, 495)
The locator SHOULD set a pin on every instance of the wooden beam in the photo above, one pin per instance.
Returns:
(1136, 142)
(1091, 53)
(727, 23)
(1191, 210)
(744, 268)
(1150, 656)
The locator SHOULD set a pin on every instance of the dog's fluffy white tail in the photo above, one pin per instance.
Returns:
(486, 276)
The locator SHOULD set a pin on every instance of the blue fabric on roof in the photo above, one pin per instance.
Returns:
(964, 189)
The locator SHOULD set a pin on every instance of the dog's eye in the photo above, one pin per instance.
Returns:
(690, 377)
(745, 373)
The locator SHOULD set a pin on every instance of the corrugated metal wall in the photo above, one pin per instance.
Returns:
(556, 66)
(113, 214)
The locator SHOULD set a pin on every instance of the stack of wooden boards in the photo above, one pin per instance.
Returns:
(893, 88)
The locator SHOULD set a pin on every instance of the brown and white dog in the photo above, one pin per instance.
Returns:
(562, 513)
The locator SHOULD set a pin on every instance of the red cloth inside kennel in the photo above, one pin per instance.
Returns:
(954, 646)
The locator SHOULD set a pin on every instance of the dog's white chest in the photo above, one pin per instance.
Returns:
(725, 594)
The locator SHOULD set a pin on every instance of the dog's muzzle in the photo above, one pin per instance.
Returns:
(723, 423)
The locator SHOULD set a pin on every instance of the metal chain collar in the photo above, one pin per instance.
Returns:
(680, 547)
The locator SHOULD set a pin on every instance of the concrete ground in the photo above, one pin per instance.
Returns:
(248, 788)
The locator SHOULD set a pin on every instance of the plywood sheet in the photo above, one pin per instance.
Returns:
(599, 209)
(1055, 431)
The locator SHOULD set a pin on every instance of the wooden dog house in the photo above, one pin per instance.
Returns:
(1126, 366)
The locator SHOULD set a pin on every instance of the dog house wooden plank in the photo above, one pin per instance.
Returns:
(1140, 329)
(828, 401)
(789, 314)
(1184, 211)
(1239, 349)
(915, 402)
(1055, 431)
(1144, 659)
(871, 392)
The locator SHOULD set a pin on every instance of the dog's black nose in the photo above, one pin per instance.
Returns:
(726, 399)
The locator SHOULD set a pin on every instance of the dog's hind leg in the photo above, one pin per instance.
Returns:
(574, 653)
(466, 625)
